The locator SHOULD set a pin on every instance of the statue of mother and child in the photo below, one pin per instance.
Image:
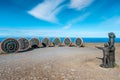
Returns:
(109, 52)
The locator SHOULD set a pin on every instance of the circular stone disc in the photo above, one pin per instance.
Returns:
(57, 41)
(34, 41)
(67, 41)
(46, 41)
(24, 44)
(78, 41)
(10, 45)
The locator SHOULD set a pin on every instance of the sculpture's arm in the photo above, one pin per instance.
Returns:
(101, 48)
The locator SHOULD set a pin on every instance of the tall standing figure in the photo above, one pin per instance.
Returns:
(112, 49)
(109, 52)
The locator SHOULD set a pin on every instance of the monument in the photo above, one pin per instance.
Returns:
(34, 43)
(112, 49)
(46, 42)
(67, 41)
(24, 44)
(109, 52)
(78, 42)
(10, 45)
(57, 41)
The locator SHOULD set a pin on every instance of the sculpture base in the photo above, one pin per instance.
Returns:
(106, 66)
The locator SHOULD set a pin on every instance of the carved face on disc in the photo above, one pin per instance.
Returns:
(57, 41)
(10, 45)
(67, 41)
(46, 41)
(34, 42)
(78, 41)
(24, 44)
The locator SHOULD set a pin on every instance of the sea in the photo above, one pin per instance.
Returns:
(85, 40)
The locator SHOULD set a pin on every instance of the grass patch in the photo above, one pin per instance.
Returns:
(116, 65)
(1, 52)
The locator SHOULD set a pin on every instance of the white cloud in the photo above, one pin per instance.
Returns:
(80, 18)
(80, 4)
(47, 10)
(68, 26)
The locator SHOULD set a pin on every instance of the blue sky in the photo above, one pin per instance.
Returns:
(59, 18)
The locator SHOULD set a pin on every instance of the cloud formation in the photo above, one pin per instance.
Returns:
(80, 4)
(68, 26)
(47, 10)
(76, 20)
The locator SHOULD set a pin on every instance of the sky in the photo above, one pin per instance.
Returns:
(59, 18)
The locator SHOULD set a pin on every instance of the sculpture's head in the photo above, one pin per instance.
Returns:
(106, 45)
(111, 35)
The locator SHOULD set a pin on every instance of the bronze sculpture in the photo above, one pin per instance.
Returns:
(34, 43)
(24, 44)
(106, 56)
(46, 42)
(67, 41)
(112, 49)
(78, 42)
(109, 52)
(57, 41)
(10, 45)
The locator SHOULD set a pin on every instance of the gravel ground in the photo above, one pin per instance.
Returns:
(58, 63)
